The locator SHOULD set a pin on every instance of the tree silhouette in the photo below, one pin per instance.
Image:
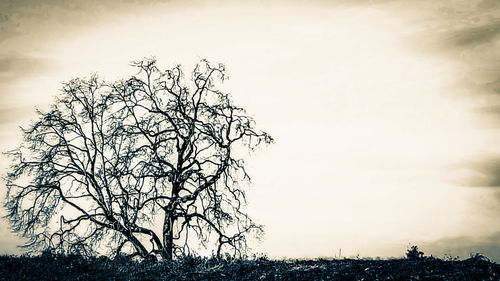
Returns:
(145, 166)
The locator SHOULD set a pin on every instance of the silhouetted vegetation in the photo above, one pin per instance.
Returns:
(49, 266)
(413, 253)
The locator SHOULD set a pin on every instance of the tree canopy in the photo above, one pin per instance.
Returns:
(147, 165)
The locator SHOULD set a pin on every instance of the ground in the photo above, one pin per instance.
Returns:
(56, 267)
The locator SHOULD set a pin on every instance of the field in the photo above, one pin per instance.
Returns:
(57, 267)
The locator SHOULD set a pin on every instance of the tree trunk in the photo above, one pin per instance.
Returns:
(168, 237)
(137, 244)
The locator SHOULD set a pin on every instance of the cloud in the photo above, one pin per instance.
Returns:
(8, 115)
(468, 33)
(483, 173)
(15, 66)
(477, 35)
(463, 246)
(33, 18)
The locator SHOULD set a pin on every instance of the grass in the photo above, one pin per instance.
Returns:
(59, 267)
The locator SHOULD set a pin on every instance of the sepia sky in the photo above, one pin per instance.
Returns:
(386, 114)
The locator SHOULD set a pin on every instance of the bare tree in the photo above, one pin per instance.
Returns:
(146, 165)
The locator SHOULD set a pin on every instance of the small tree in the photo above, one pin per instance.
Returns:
(145, 165)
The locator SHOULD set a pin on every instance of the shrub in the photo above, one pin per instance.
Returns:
(413, 253)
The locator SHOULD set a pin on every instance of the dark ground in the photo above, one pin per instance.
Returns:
(57, 267)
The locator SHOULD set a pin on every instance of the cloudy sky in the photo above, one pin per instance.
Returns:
(386, 114)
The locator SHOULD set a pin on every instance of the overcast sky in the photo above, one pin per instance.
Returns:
(385, 113)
